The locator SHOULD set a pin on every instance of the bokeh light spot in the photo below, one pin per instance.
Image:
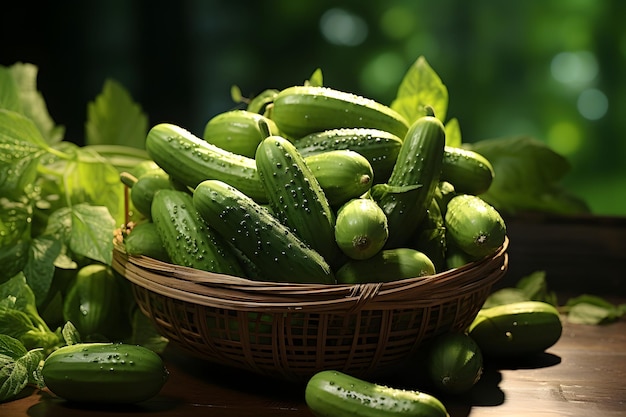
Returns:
(398, 22)
(593, 104)
(341, 27)
(574, 67)
(383, 74)
(565, 137)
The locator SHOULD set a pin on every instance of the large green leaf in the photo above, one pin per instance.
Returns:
(32, 102)
(527, 176)
(421, 87)
(113, 118)
(21, 147)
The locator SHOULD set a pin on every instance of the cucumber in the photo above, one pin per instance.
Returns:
(474, 226)
(443, 194)
(430, 236)
(301, 110)
(295, 195)
(361, 228)
(187, 238)
(92, 301)
(379, 147)
(237, 131)
(515, 330)
(278, 253)
(454, 362)
(331, 393)
(144, 240)
(191, 160)
(343, 174)
(142, 189)
(468, 171)
(386, 265)
(412, 184)
(104, 373)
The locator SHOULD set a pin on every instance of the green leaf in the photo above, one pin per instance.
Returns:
(87, 230)
(505, 296)
(453, 133)
(39, 269)
(70, 333)
(32, 102)
(535, 287)
(19, 369)
(235, 94)
(24, 299)
(113, 118)
(532, 287)
(21, 146)
(316, 79)
(19, 316)
(9, 95)
(592, 309)
(15, 221)
(421, 87)
(527, 175)
(84, 176)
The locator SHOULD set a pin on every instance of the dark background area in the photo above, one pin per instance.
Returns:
(550, 69)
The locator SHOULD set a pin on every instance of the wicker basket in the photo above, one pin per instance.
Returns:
(291, 331)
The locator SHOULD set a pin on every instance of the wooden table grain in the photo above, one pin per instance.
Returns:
(583, 375)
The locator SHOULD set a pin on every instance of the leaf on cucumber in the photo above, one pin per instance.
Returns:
(421, 87)
(453, 133)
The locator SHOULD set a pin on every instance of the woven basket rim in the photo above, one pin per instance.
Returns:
(231, 292)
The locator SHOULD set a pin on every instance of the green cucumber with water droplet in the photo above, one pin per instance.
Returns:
(190, 160)
(468, 171)
(411, 187)
(277, 252)
(295, 195)
(380, 148)
(332, 393)
(187, 238)
(104, 373)
(237, 131)
(302, 110)
(474, 226)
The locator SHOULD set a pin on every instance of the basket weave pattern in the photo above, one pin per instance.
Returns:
(291, 331)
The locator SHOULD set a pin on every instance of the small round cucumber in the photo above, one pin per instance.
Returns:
(361, 228)
(343, 174)
(332, 393)
(237, 131)
(454, 362)
(111, 373)
(516, 329)
(468, 171)
(386, 265)
(144, 240)
(475, 226)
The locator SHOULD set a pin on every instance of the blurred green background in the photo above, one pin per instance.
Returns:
(551, 69)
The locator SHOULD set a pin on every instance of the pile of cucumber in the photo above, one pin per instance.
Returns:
(315, 186)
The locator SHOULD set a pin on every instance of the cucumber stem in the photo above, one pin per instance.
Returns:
(128, 179)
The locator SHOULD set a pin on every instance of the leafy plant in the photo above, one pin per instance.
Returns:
(60, 203)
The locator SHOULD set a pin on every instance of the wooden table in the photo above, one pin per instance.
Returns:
(582, 375)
